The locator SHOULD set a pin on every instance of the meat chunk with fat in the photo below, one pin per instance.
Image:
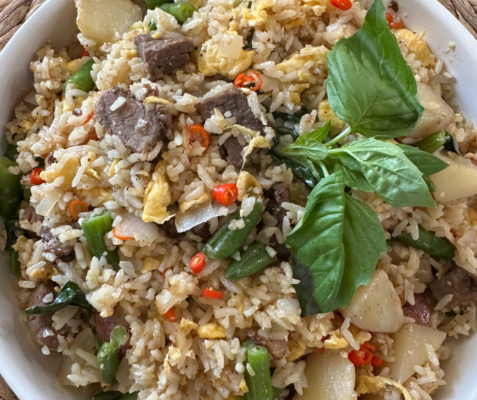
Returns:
(459, 283)
(51, 244)
(276, 195)
(139, 126)
(165, 55)
(235, 101)
(421, 311)
(104, 327)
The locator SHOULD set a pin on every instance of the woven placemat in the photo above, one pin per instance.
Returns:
(13, 13)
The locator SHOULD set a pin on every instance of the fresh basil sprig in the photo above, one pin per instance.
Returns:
(335, 247)
(425, 162)
(370, 85)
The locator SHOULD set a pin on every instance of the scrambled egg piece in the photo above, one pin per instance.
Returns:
(318, 7)
(151, 264)
(96, 193)
(111, 169)
(298, 60)
(325, 114)
(259, 142)
(69, 170)
(154, 99)
(372, 384)
(417, 45)
(157, 196)
(246, 183)
(297, 349)
(211, 331)
(243, 386)
(336, 341)
(187, 326)
(211, 61)
(257, 15)
(184, 206)
(359, 335)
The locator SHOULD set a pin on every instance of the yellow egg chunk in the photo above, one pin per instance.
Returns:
(325, 114)
(157, 196)
(416, 44)
(317, 55)
(248, 185)
(257, 15)
(68, 171)
(211, 331)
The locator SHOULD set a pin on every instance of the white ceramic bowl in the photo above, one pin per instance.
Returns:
(31, 374)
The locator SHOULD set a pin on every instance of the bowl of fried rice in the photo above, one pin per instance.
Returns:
(259, 200)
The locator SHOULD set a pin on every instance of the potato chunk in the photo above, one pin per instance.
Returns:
(458, 180)
(106, 21)
(376, 307)
(329, 376)
(410, 349)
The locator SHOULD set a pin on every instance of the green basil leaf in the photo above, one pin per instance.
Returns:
(396, 179)
(354, 179)
(70, 294)
(319, 134)
(335, 247)
(427, 163)
(13, 233)
(306, 148)
(370, 85)
(303, 169)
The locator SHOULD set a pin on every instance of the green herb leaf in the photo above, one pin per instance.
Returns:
(396, 179)
(70, 294)
(425, 162)
(370, 85)
(306, 147)
(354, 179)
(303, 169)
(13, 233)
(332, 253)
(318, 135)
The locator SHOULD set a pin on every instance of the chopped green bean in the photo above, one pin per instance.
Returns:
(260, 383)
(10, 189)
(152, 4)
(252, 260)
(430, 243)
(14, 263)
(82, 79)
(11, 151)
(180, 11)
(108, 354)
(432, 143)
(130, 396)
(225, 242)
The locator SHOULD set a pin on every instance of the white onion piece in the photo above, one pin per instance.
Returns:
(203, 213)
(132, 226)
(47, 203)
(230, 46)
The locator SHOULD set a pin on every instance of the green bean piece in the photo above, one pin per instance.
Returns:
(432, 143)
(282, 131)
(82, 79)
(152, 4)
(14, 263)
(260, 384)
(11, 151)
(451, 144)
(252, 260)
(10, 189)
(108, 354)
(225, 242)
(26, 193)
(430, 243)
(277, 392)
(180, 11)
(152, 26)
(94, 228)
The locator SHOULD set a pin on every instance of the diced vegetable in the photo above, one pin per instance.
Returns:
(70, 294)
(152, 4)
(432, 143)
(260, 383)
(410, 349)
(106, 21)
(376, 307)
(341, 4)
(26, 193)
(253, 81)
(225, 242)
(95, 227)
(329, 376)
(252, 260)
(437, 113)
(199, 134)
(180, 11)
(108, 354)
(197, 263)
(225, 194)
(77, 207)
(35, 177)
(458, 180)
(171, 315)
(435, 246)
(212, 293)
(10, 189)
(82, 79)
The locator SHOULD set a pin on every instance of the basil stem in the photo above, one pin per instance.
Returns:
(260, 383)
(430, 243)
(108, 354)
(82, 79)
(225, 242)
(252, 260)
(432, 143)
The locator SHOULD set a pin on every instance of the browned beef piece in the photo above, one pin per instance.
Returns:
(139, 126)
(276, 195)
(276, 348)
(31, 215)
(165, 55)
(42, 325)
(202, 230)
(53, 245)
(104, 326)
(170, 229)
(421, 311)
(456, 281)
(234, 152)
(283, 252)
(235, 101)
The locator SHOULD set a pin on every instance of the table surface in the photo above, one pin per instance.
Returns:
(464, 10)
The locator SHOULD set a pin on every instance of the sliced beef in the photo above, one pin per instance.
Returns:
(276, 348)
(41, 326)
(233, 150)
(104, 326)
(53, 245)
(170, 229)
(202, 230)
(276, 195)
(165, 55)
(235, 101)
(421, 311)
(31, 215)
(139, 126)
(458, 282)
